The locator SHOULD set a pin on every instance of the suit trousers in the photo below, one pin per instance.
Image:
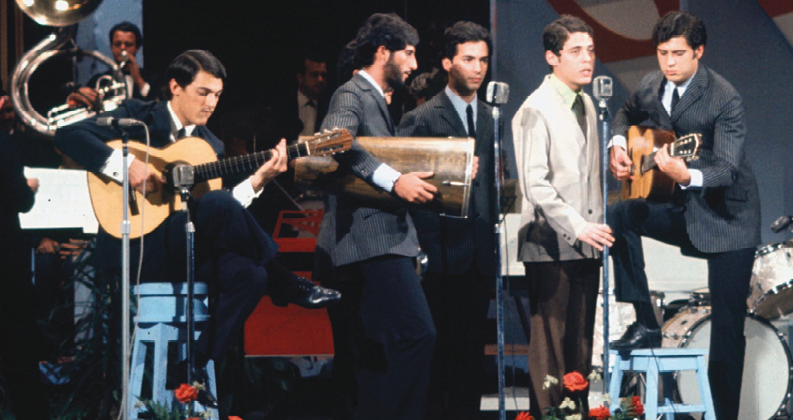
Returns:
(231, 252)
(384, 339)
(729, 274)
(562, 300)
(21, 338)
(459, 305)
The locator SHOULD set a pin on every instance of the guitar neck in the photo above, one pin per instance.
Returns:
(246, 164)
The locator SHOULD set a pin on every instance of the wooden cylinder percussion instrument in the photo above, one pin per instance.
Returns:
(451, 160)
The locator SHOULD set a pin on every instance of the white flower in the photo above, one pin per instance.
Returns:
(607, 400)
(549, 382)
(567, 403)
(594, 377)
(573, 417)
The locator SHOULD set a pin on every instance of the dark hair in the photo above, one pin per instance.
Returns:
(386, 29)
(309, 55)
(557, 32)
(462, 32)
(680, 24)
(127, 27)
(186, 66)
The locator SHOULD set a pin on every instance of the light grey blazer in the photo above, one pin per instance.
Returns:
(559, 171)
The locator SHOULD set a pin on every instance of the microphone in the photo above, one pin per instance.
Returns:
(117, 122)
(602, 89)
(781, 223)
(497, 93)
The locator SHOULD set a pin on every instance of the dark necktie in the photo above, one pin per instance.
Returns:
(469, 113)
(580, 113)
(675, 100)
(182, 133)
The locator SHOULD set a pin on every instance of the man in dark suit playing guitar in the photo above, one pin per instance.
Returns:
(714, 211)
(461, 270)
(382, 328)
(232, 254)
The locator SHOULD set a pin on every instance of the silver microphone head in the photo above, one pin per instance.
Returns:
(602, 88)
(497, 93)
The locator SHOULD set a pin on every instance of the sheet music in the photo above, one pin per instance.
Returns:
(62, 201)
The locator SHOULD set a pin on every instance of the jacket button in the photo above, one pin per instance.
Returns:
(590, 211)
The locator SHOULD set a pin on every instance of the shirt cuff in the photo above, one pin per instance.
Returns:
(114, 165)
(618, 141)
(244, 193)
(385, 177)
(696, 179)
(144, 91)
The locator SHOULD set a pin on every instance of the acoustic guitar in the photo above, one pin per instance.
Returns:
(191, 155)
(647, 182)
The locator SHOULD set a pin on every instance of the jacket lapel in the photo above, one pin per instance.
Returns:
(565, 114)
(448, 113)
(381, 103)
(694, 91)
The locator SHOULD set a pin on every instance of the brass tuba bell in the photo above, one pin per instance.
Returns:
(64, 14)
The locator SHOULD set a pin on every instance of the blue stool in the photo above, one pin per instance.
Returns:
(655, 362)
(161, 321)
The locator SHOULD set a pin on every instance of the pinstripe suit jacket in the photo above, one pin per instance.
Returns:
(454, 244)
(351, 231)
(723, 215)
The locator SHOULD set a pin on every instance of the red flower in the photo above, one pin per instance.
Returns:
(235, 418)
(185, 393)
(599, 413)
(524, 416)
(193, 418)
(638, 407)
(575, 381)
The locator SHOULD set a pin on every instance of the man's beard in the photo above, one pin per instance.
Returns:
(393, 74)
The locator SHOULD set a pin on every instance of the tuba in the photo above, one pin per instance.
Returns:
(64, 14)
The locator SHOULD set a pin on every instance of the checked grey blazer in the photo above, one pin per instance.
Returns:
(351, 231)
(723, 215)
(453, 244)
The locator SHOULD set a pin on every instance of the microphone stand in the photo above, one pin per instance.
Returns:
(499, 279)
(605, 133)
(125, 283)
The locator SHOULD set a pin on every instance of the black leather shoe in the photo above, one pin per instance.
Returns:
(637, 336)
(302, 292)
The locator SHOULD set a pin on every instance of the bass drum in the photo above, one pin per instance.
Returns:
(767, 366)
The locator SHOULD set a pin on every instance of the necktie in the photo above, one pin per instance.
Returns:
(182, 133)
(675, 100)
(469, 113)
(580, 113)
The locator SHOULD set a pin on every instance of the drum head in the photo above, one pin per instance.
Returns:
(771, 293)
(766, 372)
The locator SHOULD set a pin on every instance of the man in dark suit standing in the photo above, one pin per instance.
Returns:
(125, 42)
(232, 253)
(383, 331)
(20, 346)
(460, 275)
(714, 212)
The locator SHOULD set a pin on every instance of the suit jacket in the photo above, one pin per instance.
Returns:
(352, 231)
(17, 198)
(723, 215)
(154, 79)
(453, 244)
(559, 173)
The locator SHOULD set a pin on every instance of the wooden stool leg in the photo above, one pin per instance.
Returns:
(704, 388)
(651, 397)
(616, 380)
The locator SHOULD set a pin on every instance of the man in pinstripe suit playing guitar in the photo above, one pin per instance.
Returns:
(715, 210)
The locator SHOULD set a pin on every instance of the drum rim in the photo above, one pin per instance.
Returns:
(767, 249)
(781, 337)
